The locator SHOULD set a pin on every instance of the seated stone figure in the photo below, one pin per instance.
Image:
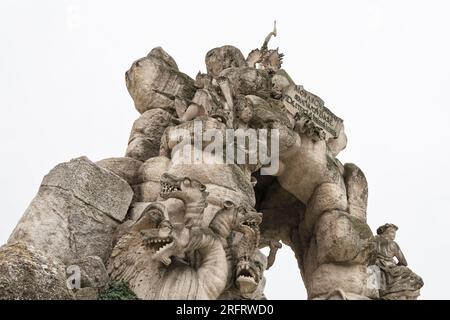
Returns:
(397, 280)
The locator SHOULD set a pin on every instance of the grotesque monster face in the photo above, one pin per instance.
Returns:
(165, 241)
(250, 262)
(248, 221)
(186, 189)
(249, 273)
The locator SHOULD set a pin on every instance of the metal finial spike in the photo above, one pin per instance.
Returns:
(273, 33)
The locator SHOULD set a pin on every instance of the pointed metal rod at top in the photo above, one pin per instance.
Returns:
(273, 33)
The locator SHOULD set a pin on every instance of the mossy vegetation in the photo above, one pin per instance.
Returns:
(118, 291)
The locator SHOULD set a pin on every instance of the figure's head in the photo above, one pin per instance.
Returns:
(248, 221)
(249, 274)
(246, 114)
(219, 59)
(387, 231)
(202, 80)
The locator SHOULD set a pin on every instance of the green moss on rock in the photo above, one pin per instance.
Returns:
(118, 291)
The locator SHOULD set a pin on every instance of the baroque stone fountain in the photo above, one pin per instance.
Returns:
(184, 216)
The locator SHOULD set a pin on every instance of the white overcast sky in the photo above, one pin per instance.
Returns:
(382, 66)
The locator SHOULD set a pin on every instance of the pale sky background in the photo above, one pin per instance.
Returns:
(382, 66)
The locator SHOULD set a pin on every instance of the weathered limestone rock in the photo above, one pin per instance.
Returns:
(342, 238)
(349, 279)
(91, 184)
(93, 272)
(87, 293)
(75, 212)
(338, 144)
(147, 187)
(125, 167)
(155, 82)
(29, 274)
(326, 197)
(357, 190)
(145, 137)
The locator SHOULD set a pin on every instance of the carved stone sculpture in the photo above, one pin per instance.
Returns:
(184, 214)
(397, 280)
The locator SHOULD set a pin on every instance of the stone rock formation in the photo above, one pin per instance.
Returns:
(28, 274)
(216, 168)
(75, 213)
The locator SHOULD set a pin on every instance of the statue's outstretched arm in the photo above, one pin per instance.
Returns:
(401, 258)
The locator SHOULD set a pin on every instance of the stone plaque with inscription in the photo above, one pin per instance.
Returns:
(306, 106)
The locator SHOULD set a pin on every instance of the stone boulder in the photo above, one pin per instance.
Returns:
(148, 184)
(29, 274)
(357, 190)
(155, 81)
(146, 133)
(76, 212)
(93, 272)
(354, 280)
(342, 238)
(125, 167)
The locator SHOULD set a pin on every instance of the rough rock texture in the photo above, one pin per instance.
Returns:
(350, 279)
(29, 274)
(75, 212)
(93, 272)
(341, 238)
(147, 187)
(92, 185)
(154, 82)
(125, 167)
(145, 137)
(357, 190)
(87, 293)
(247, 81)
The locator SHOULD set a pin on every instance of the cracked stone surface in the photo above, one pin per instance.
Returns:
(29, 274)
(75, 212)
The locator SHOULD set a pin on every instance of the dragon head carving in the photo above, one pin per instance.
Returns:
(247, 228)
(248, 220)
(250, 263)
(186, 189)
(166, 240)
(192, 192)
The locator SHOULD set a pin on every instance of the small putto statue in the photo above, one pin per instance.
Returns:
(397, 280)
